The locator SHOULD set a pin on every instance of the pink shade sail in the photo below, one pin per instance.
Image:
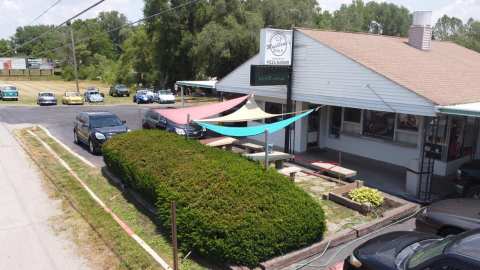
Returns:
(180, 116)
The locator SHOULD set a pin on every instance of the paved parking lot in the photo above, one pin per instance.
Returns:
(59, 120)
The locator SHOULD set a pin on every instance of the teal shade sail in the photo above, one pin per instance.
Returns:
(255, 130)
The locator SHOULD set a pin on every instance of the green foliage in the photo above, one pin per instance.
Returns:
(453, 29)
(229, 209)
(365, 195)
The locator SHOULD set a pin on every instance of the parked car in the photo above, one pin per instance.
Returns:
(93, 95)
(417, 251)
(153, 119)
(9, 92)
(143, 96)
(448, 217)
(119, 90)
(46, 98)
(468, 179)
(164, 97)
(95, 128)
(72, 98)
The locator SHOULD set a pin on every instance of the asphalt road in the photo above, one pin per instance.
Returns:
(59, 120)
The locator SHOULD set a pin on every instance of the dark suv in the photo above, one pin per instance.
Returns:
(468, 179)
(153, 119)
(119, 90)
(95, 128)
(417, 251)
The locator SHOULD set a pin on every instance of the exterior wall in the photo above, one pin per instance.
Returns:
(239, 82)
(324, 76)
(277, 138)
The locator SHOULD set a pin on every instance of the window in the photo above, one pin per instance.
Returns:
(352, 115)
(335, 121)
(352, 121)
(433, 250)
(273, 108)
(408, 122)
(379, 124)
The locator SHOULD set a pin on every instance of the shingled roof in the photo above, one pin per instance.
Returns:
(448, 74)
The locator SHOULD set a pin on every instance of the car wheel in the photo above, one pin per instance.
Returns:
(75, 138)
(446, 231)
(474, 193)
(92, 148)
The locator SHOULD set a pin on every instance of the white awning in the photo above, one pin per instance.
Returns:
(248, 112)
(198, 84)
(468, 109)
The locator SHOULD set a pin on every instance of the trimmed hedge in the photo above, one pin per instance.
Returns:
(229, 209)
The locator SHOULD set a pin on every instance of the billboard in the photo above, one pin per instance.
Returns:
(13, 63)
(275, 47)
(40, 63)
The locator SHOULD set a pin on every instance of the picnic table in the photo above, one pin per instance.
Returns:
(275, 156)
(334, 169)
(219, 142)
(250, 147)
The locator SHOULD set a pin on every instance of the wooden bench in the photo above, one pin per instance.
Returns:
(250, 147)
(275, 156)
(220, 142)
(337, 170)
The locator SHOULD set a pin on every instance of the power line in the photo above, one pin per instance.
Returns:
(127, 24)
(45, 11)
(57, 27)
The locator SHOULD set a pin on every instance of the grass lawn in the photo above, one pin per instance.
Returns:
(130, 253)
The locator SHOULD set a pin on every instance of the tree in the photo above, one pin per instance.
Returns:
(38, 40)
(112, 22)
(4, 47)
(448, 28)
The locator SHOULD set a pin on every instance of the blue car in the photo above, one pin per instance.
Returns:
(8, 92)
(143, 96)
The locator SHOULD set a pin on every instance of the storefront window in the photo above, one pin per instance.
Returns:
(352, 121)
(335, 121)
(408, 122)
(273, 108)
(379, 124)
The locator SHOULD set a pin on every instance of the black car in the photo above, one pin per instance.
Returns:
(153, 119)
(119, 90)
(468, 179)
(95, 128)
(417, 251)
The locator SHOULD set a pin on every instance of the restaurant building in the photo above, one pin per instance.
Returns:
(410, 103)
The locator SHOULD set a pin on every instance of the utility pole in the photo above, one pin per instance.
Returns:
(74, 54)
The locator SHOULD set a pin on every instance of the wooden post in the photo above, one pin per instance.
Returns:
(266, 149)
(183, 96)
(174, 236)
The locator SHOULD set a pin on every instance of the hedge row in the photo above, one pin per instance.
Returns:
(229, 209)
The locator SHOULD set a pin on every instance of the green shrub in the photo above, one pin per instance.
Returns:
(230, 210)
(365, 195)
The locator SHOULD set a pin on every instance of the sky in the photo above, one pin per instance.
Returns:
(15, 13)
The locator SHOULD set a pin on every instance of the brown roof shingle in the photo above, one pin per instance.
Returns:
(447, 74)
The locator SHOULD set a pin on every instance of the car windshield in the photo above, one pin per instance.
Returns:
(46, 94)
(431, 251)
(9, 88)
(165, 92)
(72, 94)
(142, 92)
(121, 86)
(105, 121)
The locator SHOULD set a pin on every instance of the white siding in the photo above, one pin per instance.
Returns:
(324, 76)
(238, 81)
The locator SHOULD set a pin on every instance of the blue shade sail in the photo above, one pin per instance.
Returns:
(255, 130)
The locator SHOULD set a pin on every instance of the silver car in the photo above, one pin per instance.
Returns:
(46, 98)
(449, 217)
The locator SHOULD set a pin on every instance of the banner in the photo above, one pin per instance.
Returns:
(13, 63)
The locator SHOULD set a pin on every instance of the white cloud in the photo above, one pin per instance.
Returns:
(463, 9)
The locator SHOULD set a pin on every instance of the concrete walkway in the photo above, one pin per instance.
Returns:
(27, 240)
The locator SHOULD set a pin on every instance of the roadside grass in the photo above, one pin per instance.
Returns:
(130, 252)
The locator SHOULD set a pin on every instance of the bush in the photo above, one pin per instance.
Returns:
(365, 195)
(229, 209)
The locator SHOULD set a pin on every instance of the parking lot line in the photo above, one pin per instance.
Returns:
(120, 222)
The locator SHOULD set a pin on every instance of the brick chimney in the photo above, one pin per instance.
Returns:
(420, 33)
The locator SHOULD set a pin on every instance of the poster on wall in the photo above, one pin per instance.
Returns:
(275, 47)
(13, 63)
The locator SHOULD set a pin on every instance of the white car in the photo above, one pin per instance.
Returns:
(164, 96)
(93, 96)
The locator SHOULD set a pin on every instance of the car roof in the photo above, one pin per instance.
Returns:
(94, 114)
(466, 245)
(46, 92)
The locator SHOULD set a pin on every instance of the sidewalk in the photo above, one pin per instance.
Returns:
(27, 240)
